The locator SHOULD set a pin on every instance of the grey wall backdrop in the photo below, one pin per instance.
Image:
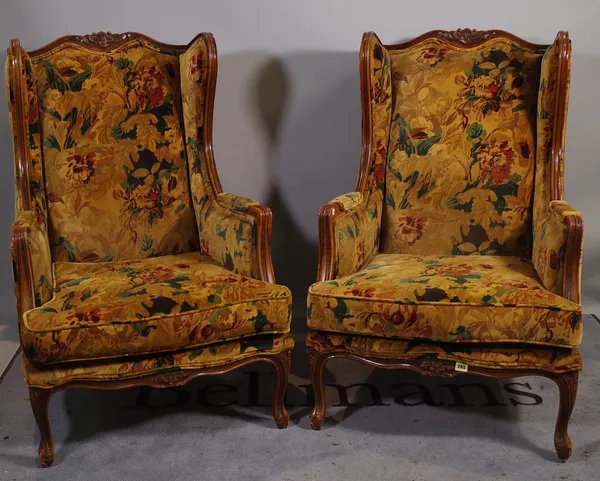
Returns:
(287, 117)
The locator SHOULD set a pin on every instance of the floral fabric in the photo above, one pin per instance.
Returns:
(113, 152)
(549, 228)
(227, 232)
(36, 237)
(461, 159)
(446, 298)
(104, 310)
(357, 229)
(496, 357)
(196, 358)
(37, 200)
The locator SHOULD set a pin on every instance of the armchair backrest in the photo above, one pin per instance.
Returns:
(100, 145)
(470, 140)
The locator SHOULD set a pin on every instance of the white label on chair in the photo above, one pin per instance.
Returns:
(461, 366)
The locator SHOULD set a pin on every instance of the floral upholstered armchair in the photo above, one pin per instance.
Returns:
(457, 253)
(132, 267)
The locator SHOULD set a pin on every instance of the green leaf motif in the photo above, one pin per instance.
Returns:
(426, 144)
(50, 142)
(76, 82)
(475, 130)
(123, 63)
(341, 311)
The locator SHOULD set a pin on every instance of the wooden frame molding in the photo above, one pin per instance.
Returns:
(430, 366)
(16, 81)
(107, 42)
(40, 397)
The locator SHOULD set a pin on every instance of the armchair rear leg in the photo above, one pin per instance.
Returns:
(40, 399)
(317, 367)
(282, 370)
(567, 385)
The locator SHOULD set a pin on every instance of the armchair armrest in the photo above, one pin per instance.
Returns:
(237, 233)
(558, 247)
(32, 263)
(348, 235)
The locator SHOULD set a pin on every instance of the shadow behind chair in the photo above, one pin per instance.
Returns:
(457, 253)
(131, 266)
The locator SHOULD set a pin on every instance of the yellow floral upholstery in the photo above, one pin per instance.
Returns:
(446, 298)
(28, 225)
(227, 231)
(105, 310)
(506, 356)
(472, 240)
(113, 153)
(461, 159)
(196, 358)
(357, 226)
(123, 232)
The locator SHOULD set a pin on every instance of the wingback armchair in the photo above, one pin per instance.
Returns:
(131, 265)
(457, 253)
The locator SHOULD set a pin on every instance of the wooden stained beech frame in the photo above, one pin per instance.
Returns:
(567, 380)
(22, 262)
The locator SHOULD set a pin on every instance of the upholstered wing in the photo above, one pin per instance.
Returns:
(233, 230)
(349, 225)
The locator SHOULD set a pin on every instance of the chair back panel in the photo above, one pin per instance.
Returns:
(113, 152)
(461, 155)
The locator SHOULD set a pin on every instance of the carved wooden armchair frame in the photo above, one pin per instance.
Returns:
(433, 364)
(169, 376)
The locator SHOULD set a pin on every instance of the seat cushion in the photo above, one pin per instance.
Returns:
(448, 299)
(113, 309)
(200, 357)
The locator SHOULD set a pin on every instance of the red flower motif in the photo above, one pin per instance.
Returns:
(454, 270)
(158, 274)
(360, 251)
(378, 169)
(91, 317)
(378, 94)
(398, 317)
(81, 167)
(370, 292)
(147, 83)
(196, 68)
(209, 330)
(410, 229)
(495, 160)
(432, 56)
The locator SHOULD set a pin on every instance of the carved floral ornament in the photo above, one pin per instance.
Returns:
(104, 39)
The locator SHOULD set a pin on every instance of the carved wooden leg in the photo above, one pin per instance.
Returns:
(567, 385)
(282, 370)
(317, 366)
(40, 399)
